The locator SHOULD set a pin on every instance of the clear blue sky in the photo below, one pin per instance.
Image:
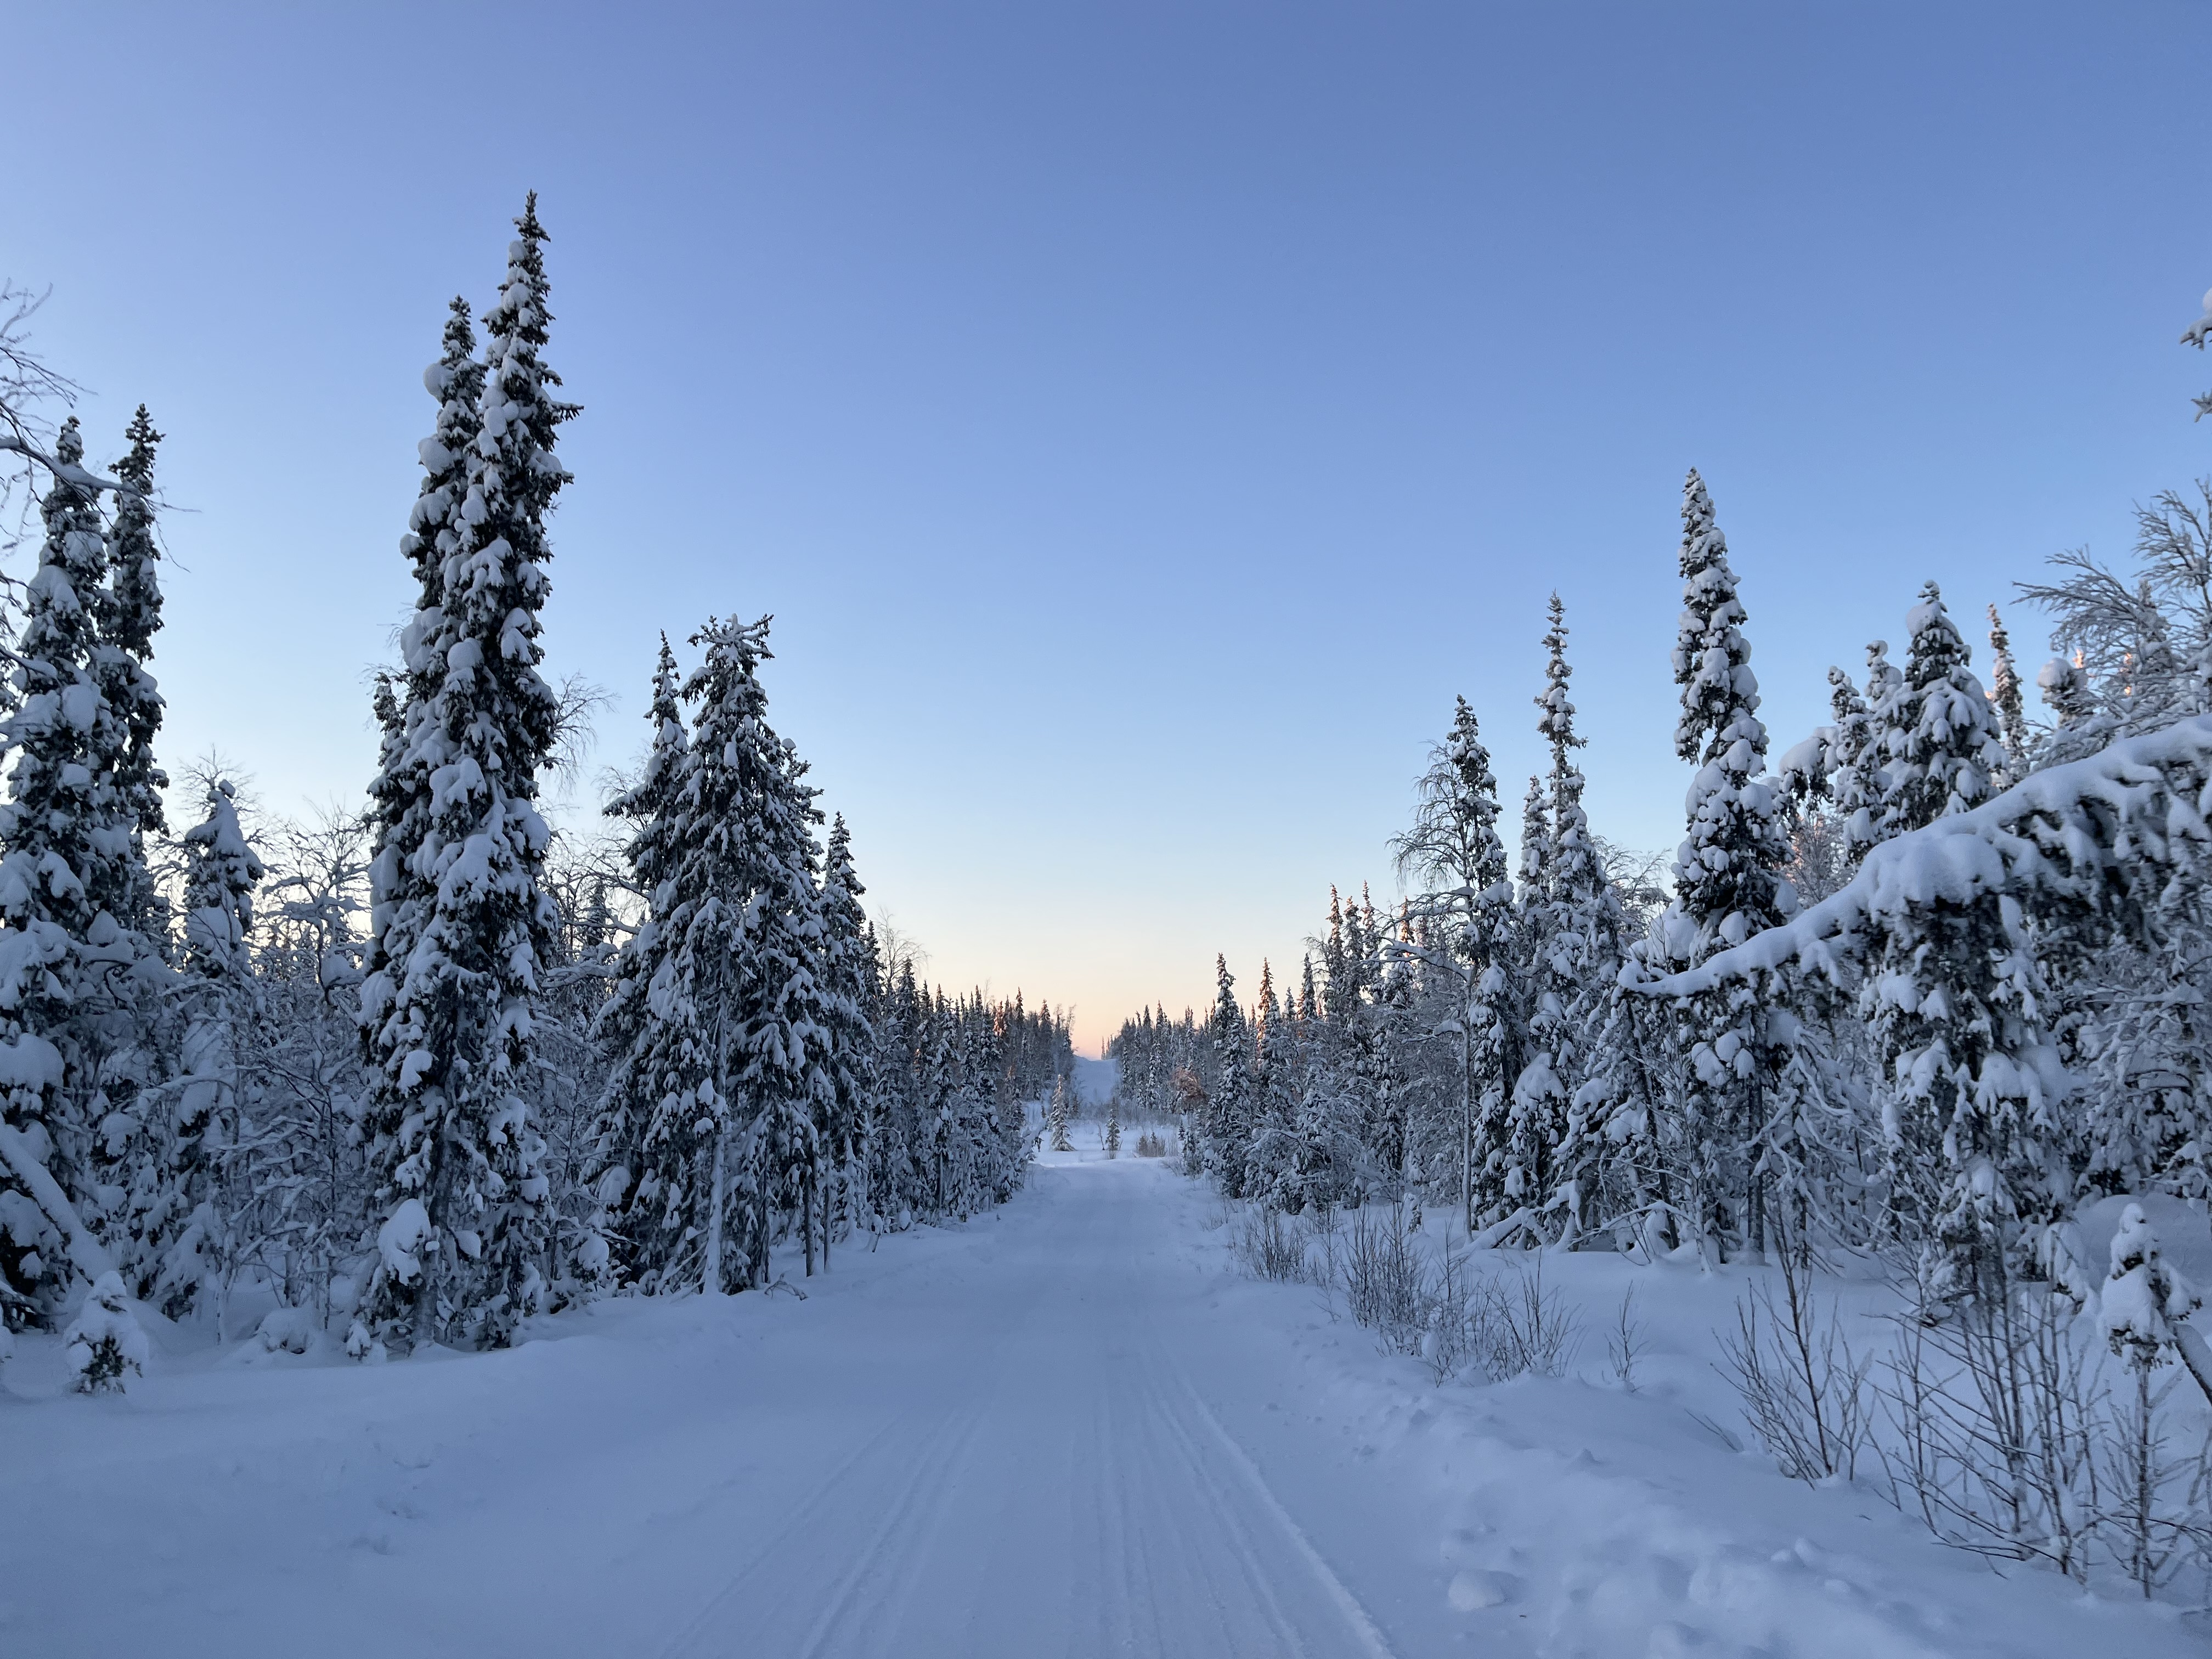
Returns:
(1141, 419)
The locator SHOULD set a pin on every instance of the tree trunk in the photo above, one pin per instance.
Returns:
(761, 1222)
(711, 1279)
(1467, 1110)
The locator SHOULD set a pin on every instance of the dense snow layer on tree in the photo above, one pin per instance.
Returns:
(1069, 1426)
(2115, 825)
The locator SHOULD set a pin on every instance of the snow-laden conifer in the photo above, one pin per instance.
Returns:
(1726, 883)
(1272, 1175)
(1942, 749)
(65, 959)
(461, 924)
(728, 1071)
(2006, 702)
(1471, 920)
(846, 953)
(779, 1038)
(130, 618)
(203, 1182)
(1229, 1116)
(1861, 780)
(1056, 1117)
(1574, 932)
(642, 1185)
(105, 1342)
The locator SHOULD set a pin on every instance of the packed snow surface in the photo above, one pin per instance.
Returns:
(1069, 1428)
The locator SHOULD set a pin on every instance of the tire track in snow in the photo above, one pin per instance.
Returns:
(1359, 1623)
(829, 1489)
(895, 1548)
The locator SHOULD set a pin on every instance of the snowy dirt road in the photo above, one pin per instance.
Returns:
(1067, 1430)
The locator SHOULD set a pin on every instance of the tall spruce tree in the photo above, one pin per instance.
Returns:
(732, 1061)
(846, 964)
(130, 616)
(1726, 884)
(644, 1168)
(1576, 933)
(1472, 921)
(204, 1185)
(2006, 701)
(1228, 1112)
(56, 848)
(784, 1041)
(463, 924)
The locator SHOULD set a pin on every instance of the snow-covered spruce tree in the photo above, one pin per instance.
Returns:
(1271, 1169)
(105, 1340)
(70, 984)
(897, 1165)
(1229, 1115)
(461, 925)
(207, 1185)
(1939, 750)
(784, 1043)
(645, 1168)
(130, 618)
(1056, 1117)
(1726, 887)
(1332, 1154)
(149, 1158)
(747, 962)
(2006, 702)
(1941, 733)
(1970, 1087)
(400, 794)
(1861, 781)
(1472, 921)
(847, 954)
(1575, 929)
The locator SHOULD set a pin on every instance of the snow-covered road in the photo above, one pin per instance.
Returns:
(1026, 1467)
(1068, 1429)
(1008, 1438)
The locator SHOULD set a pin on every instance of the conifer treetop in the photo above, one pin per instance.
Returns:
(1712, 659)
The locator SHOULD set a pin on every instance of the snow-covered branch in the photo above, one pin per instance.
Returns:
(2094, 830)
(16, 444)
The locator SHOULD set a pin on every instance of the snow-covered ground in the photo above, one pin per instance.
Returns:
(1068, 1428)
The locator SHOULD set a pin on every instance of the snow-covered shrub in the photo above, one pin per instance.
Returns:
(105, 1340)
(1804, 1392)
(294, 1330)
(1269, 1245)
(1386, 1281)
(1994, 1410)
(2148, 1511)
(1537, 1331)
(1462, 1319)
